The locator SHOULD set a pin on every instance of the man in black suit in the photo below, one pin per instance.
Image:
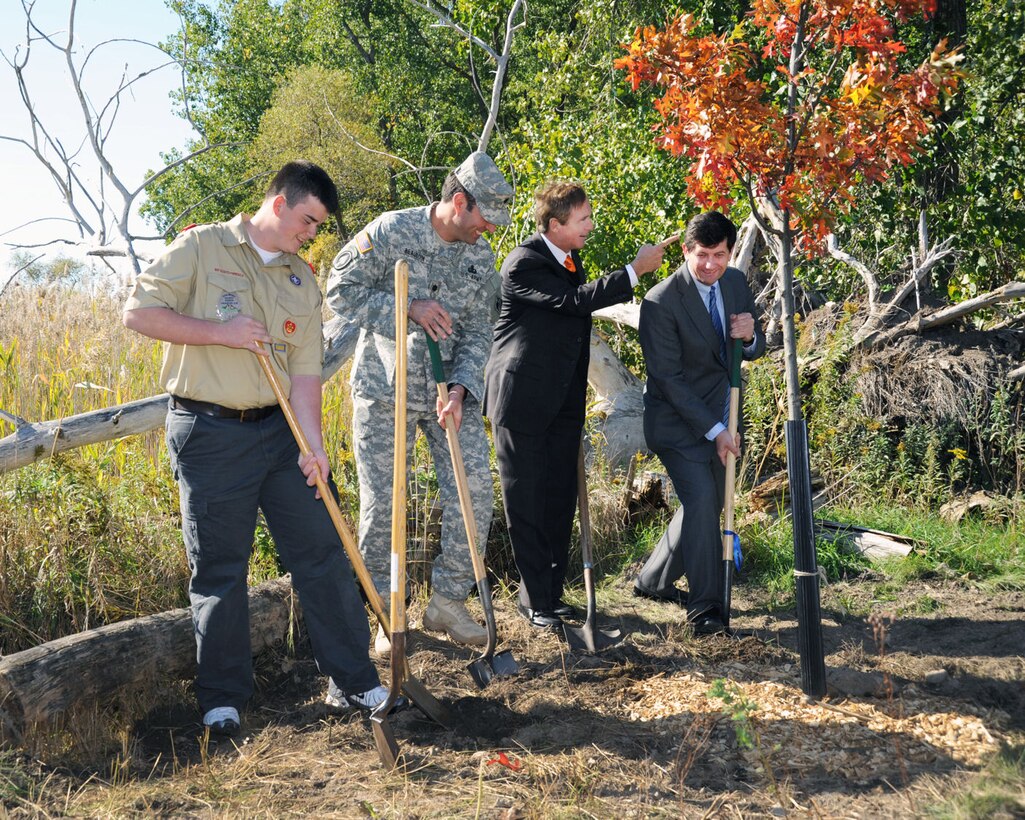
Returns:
(684, 325)
(536, 384)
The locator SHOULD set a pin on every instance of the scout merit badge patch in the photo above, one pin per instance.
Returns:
(228, 306)
(289, 327)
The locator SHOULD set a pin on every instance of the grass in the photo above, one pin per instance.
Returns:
(998, 791)
(92, 536)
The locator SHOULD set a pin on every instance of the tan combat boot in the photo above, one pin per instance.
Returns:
(382, 646)
(446, 615)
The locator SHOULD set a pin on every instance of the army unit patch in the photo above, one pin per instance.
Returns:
(363, 243)
(344, 259)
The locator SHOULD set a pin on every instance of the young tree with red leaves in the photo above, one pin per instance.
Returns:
(798, 107)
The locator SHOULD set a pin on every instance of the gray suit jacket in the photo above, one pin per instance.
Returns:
(687, 376)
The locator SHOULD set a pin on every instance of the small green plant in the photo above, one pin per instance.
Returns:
(739, 709)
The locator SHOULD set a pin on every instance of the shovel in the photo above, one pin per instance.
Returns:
(387, 748)
(587, 638)
(730, 540)
(414, 689)
(488, 665)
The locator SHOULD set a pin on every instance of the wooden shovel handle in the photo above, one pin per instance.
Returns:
(731, 460)
(398, 487)
(344, 533)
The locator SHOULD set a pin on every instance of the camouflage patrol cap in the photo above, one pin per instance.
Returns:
(480, 176)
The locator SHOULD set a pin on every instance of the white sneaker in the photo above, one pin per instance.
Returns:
(368, 701)
(450, 616)
(382, 644)
(223, 720)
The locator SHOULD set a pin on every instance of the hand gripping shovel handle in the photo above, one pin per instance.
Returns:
(503, 664)
(731, 482)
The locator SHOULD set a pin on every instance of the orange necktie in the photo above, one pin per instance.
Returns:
(569, 264)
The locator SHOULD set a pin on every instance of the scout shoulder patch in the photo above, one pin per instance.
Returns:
(295, 280)
(363, 243)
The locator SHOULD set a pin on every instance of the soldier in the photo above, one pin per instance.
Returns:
(453, 291)
(221, 295)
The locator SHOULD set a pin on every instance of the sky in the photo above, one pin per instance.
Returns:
(145, 124)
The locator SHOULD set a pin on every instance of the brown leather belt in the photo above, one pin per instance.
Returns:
(219, 411)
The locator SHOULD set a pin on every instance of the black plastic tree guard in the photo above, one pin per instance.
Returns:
(809, 616)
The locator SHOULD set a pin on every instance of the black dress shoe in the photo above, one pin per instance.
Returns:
(540, 618)
(708, 624)
(669, 596)
(564, 610)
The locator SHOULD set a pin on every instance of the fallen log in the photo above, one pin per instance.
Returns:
(39, 684)
(31, 442)
(873, 544)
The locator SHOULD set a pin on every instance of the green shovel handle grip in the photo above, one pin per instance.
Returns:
(738, 355)
(436, 365)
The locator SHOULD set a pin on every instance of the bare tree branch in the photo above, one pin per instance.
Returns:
(871, 283)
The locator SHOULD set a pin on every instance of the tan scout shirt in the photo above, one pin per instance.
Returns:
(212, 272)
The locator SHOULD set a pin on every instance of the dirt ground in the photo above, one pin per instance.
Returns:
(916, 707)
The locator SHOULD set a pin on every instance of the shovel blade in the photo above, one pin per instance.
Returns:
(588, 639)
(502, 665)
(384, 737)
(481, 672)
(427, 703)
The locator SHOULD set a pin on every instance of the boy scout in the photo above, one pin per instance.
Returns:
(453, 289)
(221, 295)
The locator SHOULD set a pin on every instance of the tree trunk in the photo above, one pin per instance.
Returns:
(41, 683)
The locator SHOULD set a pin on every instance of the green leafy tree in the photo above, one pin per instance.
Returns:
(316, 114)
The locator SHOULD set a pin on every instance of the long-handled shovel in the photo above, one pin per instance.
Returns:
(730, 540)
(413, 688)
(588, 637)
(387, 748)
(488, 665)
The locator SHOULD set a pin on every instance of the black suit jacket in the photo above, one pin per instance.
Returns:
(542, 338)
(687, 376)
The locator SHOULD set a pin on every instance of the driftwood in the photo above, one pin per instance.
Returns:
(31, 442)
(945, 316)
(873, 544)
(770, 496)
(41, 683)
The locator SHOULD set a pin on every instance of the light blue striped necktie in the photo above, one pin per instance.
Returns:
(713, 312)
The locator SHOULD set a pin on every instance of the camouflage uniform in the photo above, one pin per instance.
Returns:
(463, 279)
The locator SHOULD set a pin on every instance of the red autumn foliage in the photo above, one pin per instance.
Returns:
(725, 103)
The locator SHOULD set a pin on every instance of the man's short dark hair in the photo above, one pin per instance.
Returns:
(555, 200)
(302, 178)
(452, 187)
(709, 229)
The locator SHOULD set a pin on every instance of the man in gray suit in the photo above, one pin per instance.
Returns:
(686, 321)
